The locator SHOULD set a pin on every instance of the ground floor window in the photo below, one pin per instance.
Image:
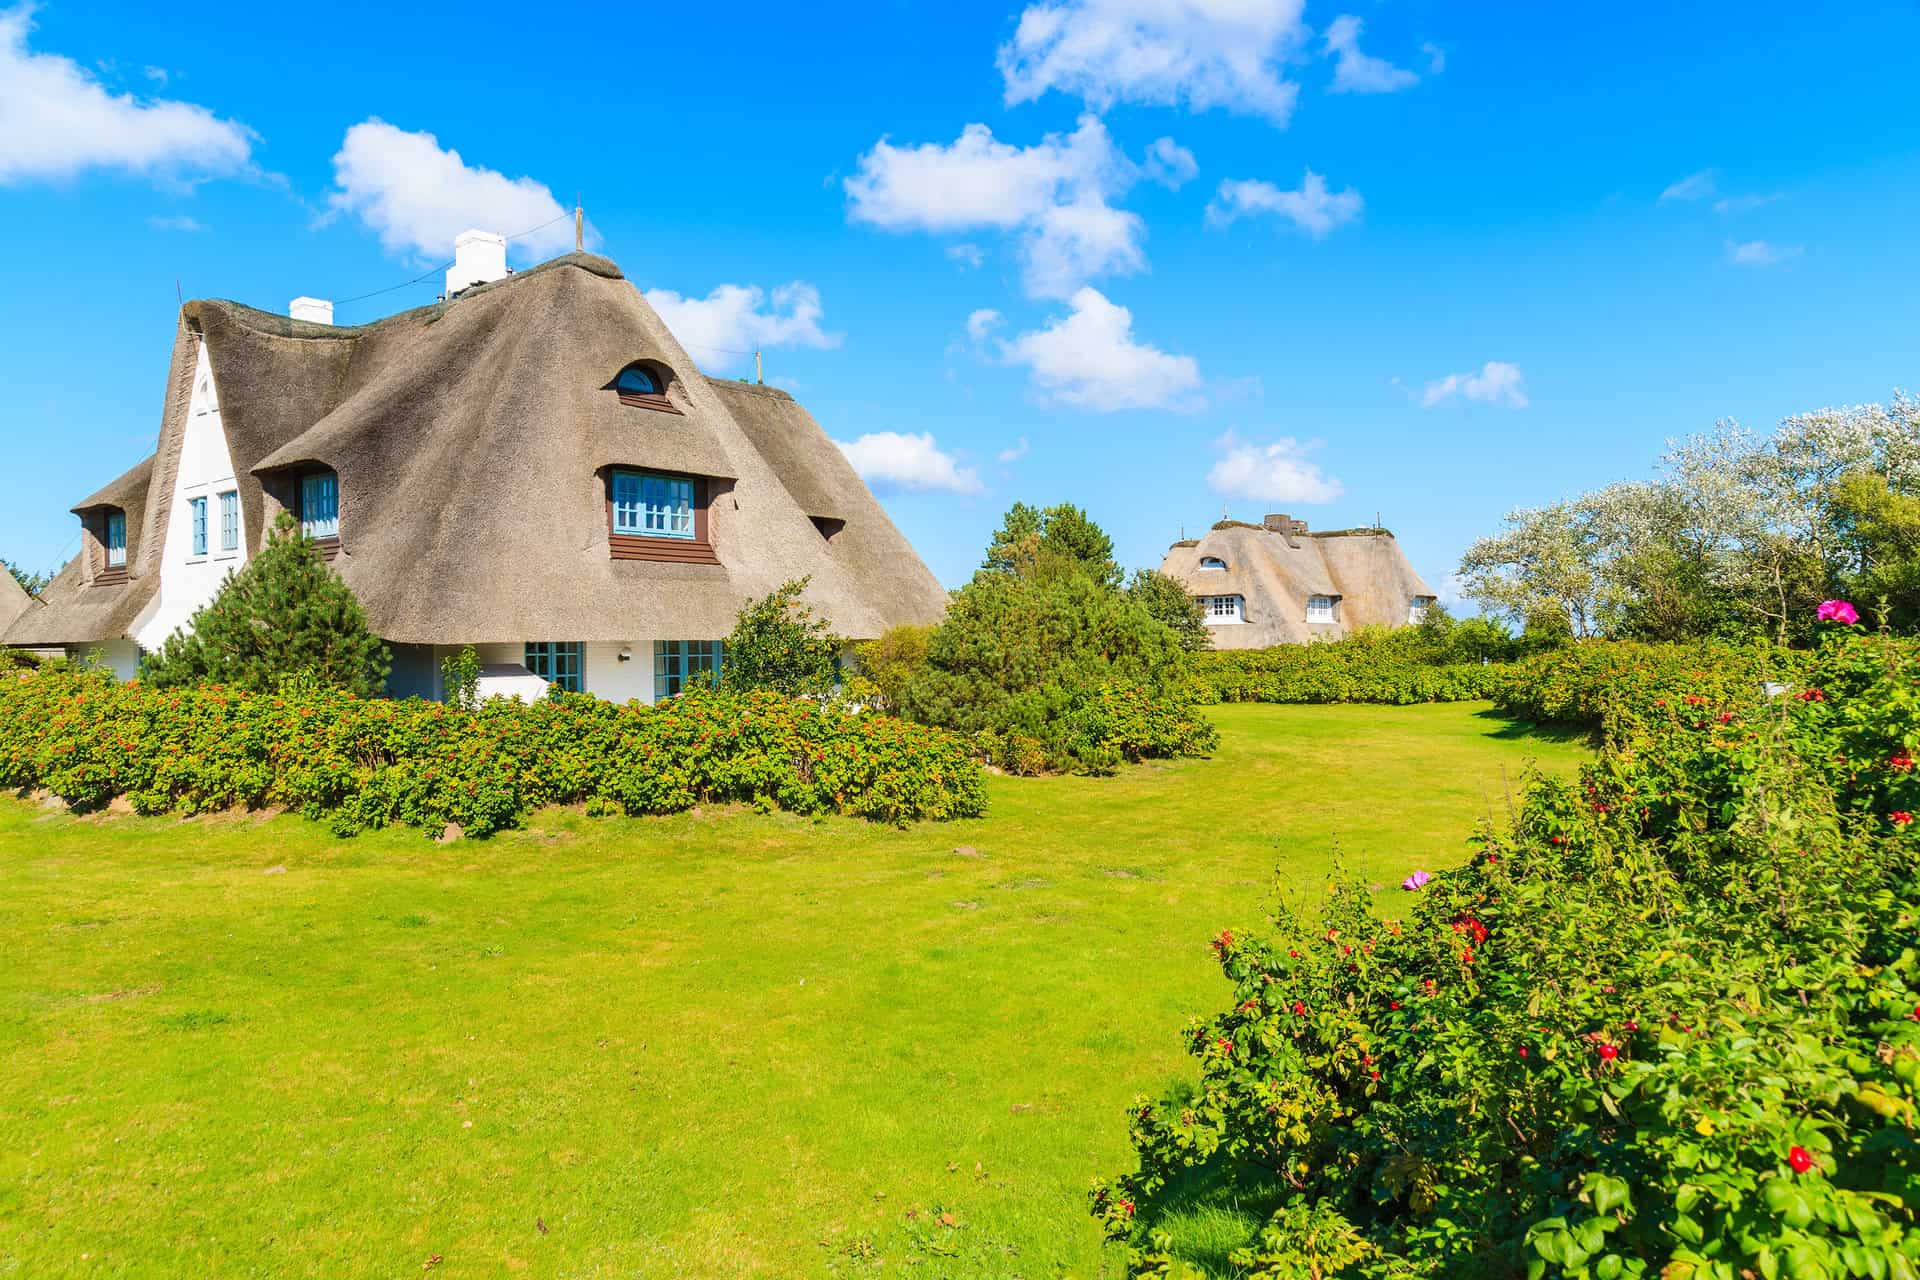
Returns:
(1222, 609)
(1417, 611)
(679, 665)
(558, 662)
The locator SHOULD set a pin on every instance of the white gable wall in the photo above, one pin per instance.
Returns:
(188, 581)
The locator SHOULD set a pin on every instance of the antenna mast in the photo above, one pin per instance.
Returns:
(757, 377)
(579, 226)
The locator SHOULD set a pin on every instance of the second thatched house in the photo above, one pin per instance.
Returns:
(1277, 583)
(14, 600)
(532, 466)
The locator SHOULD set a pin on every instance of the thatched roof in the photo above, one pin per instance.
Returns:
(14, 600)
(1274, 572)
(72, 610)
(470, 437)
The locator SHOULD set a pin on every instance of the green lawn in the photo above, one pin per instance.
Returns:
(721, 1044)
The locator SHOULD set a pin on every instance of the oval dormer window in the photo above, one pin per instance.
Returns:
(644, 385)
(1212, 562)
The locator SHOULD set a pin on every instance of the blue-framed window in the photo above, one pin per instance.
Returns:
(652, 506)
(230, 521)
(635, 380)
(197, 509)
(116, 539)
(320, 504)
(679, 665)
(559, 662)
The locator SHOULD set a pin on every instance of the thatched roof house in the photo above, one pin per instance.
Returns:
(14, 601)
(1277, 583)
(533, 466)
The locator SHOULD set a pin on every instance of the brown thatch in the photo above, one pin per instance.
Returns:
(471, 438)
(1275, 571)
(76, 610)
(14, 601)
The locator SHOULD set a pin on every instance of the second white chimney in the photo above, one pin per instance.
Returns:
(478, 256)
(318, 310)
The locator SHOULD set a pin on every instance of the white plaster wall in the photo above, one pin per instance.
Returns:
(188, 581)
(602, 672)
(122, 657)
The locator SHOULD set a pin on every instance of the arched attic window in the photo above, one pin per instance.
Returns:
(643, 384)
(1212, 563)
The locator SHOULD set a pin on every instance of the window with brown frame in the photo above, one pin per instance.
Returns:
(108, 525)
(655, 516)
(644, 386)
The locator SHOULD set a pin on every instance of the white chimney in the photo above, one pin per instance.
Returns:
(478, 256)
(318, 310)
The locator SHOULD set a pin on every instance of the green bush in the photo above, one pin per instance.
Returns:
(1596, 683)
(286, 613)
(1401, 666)
(1665, 1023)
(359, 763)
(779, 643)
(886, 665)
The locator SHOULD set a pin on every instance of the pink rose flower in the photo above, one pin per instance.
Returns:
(1417, 880)
(1837, 611)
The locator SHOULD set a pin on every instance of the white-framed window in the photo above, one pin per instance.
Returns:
(1213, 564)
(1321, 608)
(1220, 609)
(1417, 611)
(116, 539)
(320, 504)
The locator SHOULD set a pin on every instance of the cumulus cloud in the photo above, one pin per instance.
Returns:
(1089, 359)
(1277, 472)
(982, 322)
(57, 120)
(1695, 186)
(1053, 197)
(1017, 452)
(1313, 208)
(892, 462)
(1497, 382)
(1761, 253)
(417, 195)
(1197, 54)
(1357, 72)
(727, 326)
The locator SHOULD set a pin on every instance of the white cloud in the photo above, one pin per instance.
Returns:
(1695, 186)
(1089, 360)
(898, 463)
(1746, 203)
(1761, 253)
(982, 322)
(1312, 208)
(1200, 54)
(1357, 72)
(1497, 383)
(1277, 472)
(724, 328)
(1054, 196)
(1436, 57)
(417, 196)
(1016, 453)
(57, 120)
(967, 255)
(176, 222)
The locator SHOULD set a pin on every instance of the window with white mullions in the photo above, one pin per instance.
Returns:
(230, 521)
(320, 504)
(679, 665)
(1321, 608)
(646, 505)
(558, 662)
(1220, 609)
(116, 539)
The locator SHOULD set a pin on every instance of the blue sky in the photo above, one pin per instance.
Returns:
(1150, 256)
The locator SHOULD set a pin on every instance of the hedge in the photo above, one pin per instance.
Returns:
(1612, 686)
(1664, 1023)
(1339, 671)
(359, 763)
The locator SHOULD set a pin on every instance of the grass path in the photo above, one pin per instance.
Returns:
(713, 1045)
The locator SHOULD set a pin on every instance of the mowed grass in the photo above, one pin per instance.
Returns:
(720, 1044)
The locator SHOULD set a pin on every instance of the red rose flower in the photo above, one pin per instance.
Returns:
(1900, 817)
(1608, 1053)
(1799, 1159)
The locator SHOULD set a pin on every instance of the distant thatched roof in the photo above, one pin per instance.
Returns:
(470, 437)
(14, 600)
(1274, 572)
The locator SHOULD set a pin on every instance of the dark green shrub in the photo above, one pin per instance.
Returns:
(779, 643)
(1411, 664)
(1666, 1023)
(358, 763)
(1165, 599)
(1595, 683)
(887, 664)
(286, 613)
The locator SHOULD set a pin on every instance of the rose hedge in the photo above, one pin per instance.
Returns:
(1666, 1022)
(368, 763)
(1591, 684)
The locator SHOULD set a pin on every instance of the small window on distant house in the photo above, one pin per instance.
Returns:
(1212, 562)
(230, 521)
(558, 662)
(320, 504)
(197, 511)
(116, 539)
(1417, 611)
(646, 505)
(1220, 609)
(679, 665)
(1320, 608)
